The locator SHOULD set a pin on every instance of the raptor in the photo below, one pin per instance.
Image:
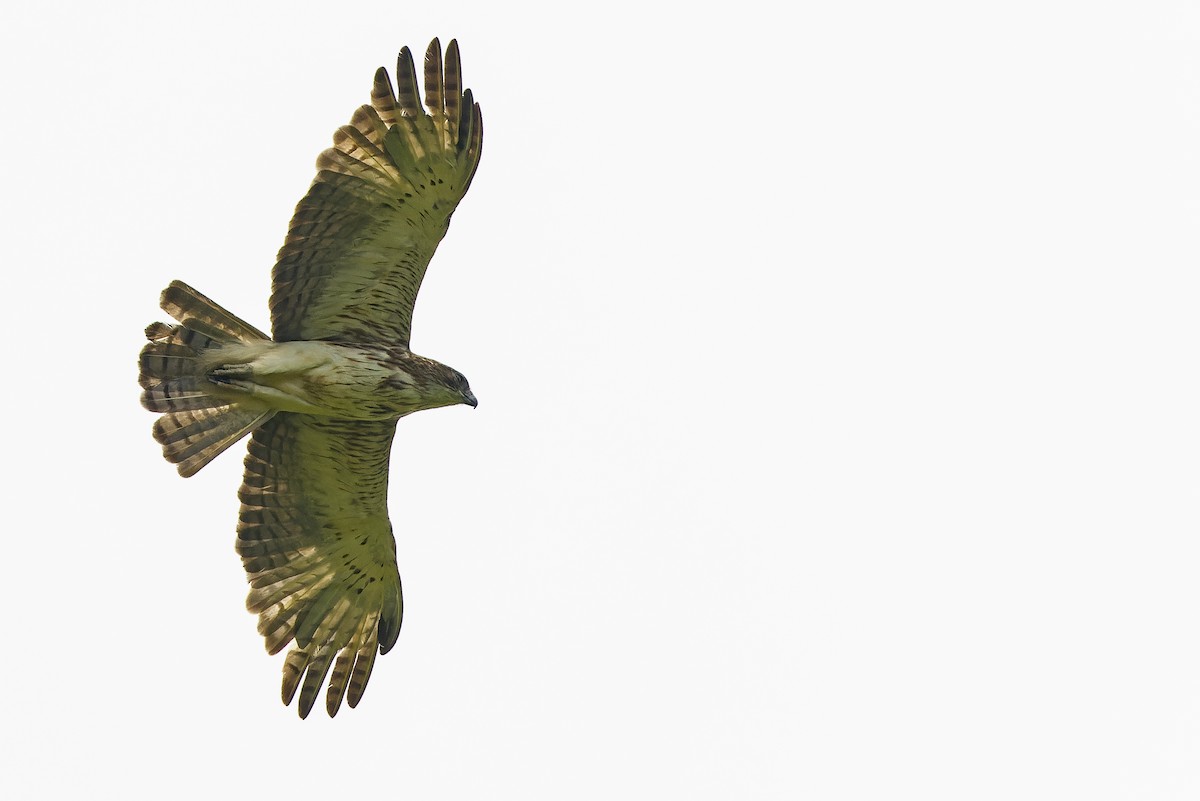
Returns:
(321, 396)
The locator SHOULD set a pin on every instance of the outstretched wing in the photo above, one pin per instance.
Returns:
(360, 240)
(317, 545)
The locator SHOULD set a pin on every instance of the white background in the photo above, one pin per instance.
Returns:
(838, 389)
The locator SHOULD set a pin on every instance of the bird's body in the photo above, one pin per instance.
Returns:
(322, 396)
(333, 379)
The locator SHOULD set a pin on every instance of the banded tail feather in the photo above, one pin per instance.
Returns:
(197, 424)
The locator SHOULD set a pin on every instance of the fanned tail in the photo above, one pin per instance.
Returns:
(197, 424)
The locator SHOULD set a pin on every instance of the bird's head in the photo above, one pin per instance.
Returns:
(458, 388)
(418, 383)
(434, 383)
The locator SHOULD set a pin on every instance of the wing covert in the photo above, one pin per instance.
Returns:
(360, 240)
(318, 550)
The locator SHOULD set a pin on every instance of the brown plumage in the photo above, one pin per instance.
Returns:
(322, 396)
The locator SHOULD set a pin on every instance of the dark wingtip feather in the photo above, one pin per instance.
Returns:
(435, 90)
(364, 662)
(452, 81)
(390, 619)
(406, 84)
(338, 679)
(466, 121)
(475, 146)
(434, 50)
(383, 97)
(293, 669)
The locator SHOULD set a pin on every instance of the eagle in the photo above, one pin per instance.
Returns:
(321, 396)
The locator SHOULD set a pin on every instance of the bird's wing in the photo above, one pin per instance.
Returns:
(360, 240)
(317, 545)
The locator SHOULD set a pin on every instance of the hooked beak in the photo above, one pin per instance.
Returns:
(469, 399)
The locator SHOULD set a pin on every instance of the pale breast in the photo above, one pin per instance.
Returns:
(360, 382)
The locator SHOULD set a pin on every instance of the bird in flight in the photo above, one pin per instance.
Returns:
(320, 398)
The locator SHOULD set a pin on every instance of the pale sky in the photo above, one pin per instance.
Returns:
(838, 428)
